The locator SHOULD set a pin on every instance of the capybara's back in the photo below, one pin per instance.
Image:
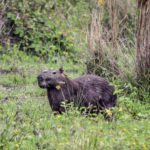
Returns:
(96, 91)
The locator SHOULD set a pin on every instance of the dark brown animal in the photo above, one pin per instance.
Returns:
(87, 90)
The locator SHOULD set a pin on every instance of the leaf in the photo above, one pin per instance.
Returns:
(11, 16)
(58, 87)
(61, 82)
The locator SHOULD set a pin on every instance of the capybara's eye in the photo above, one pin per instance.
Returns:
(48, 79)
(40, 78)
(54, 72)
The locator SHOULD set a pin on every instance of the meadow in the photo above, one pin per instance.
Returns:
(27, 122)
(83, 36)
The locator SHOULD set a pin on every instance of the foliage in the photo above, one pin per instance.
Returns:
(58, 31)
(29, 25)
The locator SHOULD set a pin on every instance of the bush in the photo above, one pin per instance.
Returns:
(29, 24)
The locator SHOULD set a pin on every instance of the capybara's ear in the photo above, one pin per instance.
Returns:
(61, 70)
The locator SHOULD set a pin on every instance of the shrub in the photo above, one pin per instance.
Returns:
(29, 24)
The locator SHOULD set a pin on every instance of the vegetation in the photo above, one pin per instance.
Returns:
(91, 36)
(143, 38)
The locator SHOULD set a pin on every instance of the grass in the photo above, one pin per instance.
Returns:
(27, 122)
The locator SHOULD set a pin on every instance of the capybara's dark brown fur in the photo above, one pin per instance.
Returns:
(87, 90)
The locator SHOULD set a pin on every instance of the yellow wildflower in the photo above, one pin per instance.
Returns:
(108, 112)
(144, 146)
(124, 129)
(135, 129)
(71, 45)
(134, 143)
(27, 14)
(61, 144)
(59, 33)
(68, 31)
(72, 38)
(58, 116)
(101, 2)
(16, 131)
(65, 53)
(75, 29)
(58, 87)
(17, 145)
(59, 128)
(120, 109)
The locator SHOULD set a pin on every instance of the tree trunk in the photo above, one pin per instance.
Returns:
(143, 41)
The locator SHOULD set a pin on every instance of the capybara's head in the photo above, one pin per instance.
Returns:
(51, 78)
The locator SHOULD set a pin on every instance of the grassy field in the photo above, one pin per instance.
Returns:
(27, 122)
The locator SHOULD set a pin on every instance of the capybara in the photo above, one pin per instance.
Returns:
(89, 91)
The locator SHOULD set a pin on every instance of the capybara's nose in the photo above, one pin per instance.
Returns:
(40, 78)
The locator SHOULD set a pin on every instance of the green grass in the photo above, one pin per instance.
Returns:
(27, 122)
